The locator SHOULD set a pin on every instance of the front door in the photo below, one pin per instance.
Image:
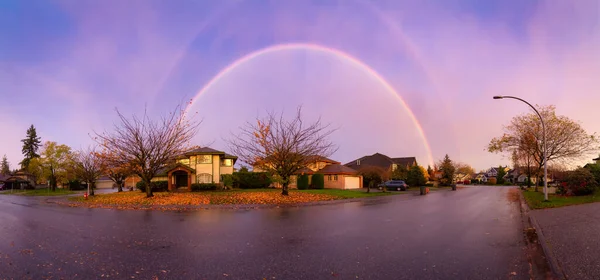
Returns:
(181, 179)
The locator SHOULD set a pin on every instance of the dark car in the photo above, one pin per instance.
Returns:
(394, 185)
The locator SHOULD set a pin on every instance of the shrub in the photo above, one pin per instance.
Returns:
(302, 182)
(491, 181)
(416, 176)
(228, 180)
(429, 185)
(318, 181)
(474, 181)
(75, 185)
(157, 186)
(197, 187)
(251, 180)
(578, 182)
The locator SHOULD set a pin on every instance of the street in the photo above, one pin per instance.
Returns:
(472, 233)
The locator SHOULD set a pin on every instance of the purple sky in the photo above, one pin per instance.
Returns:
(65, 66)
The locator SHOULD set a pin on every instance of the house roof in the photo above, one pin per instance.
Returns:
(408, 161)
(380, 160)
(324, 159)
(4, 177)
(204, 151)
(305, 170)
(337, 169)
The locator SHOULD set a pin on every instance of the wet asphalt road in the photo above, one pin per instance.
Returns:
(473, 233)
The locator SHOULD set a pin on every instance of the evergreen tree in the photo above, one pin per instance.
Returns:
(416, 176)
(4, 166)
(31, 144)
(500, 177)
(448, 169)
(430, 172)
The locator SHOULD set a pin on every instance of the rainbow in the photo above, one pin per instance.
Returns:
(322, 49)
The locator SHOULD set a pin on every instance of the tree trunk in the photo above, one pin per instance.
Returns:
(119, 186)
(148, 189)
(92, 185)
(53, 183)
(284, 189)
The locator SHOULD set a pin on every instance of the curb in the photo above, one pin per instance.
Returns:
(557, 271)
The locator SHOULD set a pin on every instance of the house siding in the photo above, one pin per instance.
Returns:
(339, 184)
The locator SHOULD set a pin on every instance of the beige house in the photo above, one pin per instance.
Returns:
(201, 165)
(336, 176)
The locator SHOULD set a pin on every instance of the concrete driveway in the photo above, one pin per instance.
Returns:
(473, 233)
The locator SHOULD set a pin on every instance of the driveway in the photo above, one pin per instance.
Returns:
(572, 234)
(473, 233)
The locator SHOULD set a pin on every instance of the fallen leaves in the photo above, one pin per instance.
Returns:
(135, 200)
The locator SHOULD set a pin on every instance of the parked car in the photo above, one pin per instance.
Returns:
(394, 185)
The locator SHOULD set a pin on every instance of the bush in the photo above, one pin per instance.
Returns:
(251, 180)
(416, 176)
(197, 187)
(303, 182)
(157, 186)
(491, 181)
(578, 182)
(429, 185)
(228, 180)
(75, 185)
(318, 181)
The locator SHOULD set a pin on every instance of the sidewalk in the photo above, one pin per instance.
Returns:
(573, 235)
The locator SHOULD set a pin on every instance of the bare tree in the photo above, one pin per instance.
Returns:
(88, 167)
(115, 169)
(282, 147)
(566, 140)
(148, 145)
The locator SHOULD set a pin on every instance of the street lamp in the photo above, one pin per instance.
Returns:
(543, 140)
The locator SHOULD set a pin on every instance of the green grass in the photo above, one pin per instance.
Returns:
(535, 200)
(349, 193)
(38, 192)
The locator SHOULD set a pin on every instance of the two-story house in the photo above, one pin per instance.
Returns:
(201, 165)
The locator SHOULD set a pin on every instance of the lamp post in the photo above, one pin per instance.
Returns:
(543, 140)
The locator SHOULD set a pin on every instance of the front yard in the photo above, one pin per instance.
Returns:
(535, 200)
(138, 199)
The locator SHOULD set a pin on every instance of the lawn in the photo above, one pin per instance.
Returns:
(244, 197)
(38, 192)
(535, 200)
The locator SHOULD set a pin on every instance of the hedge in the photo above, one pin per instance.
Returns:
(318, 181)
(197, 187)
(251, 180)
(303, 182)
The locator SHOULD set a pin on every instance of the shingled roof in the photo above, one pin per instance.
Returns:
(381, 160)
(337, 169)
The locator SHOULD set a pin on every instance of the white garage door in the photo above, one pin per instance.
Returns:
(352, 183)
(104, 184)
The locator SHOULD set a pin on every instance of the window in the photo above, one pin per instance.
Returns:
(184, 161)
(358, 162)
(204, 178)
(328, 177)
(332, 177)
(193, 160)
(394, 167)
(335, 177)
(227, 162)
(205, 159)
